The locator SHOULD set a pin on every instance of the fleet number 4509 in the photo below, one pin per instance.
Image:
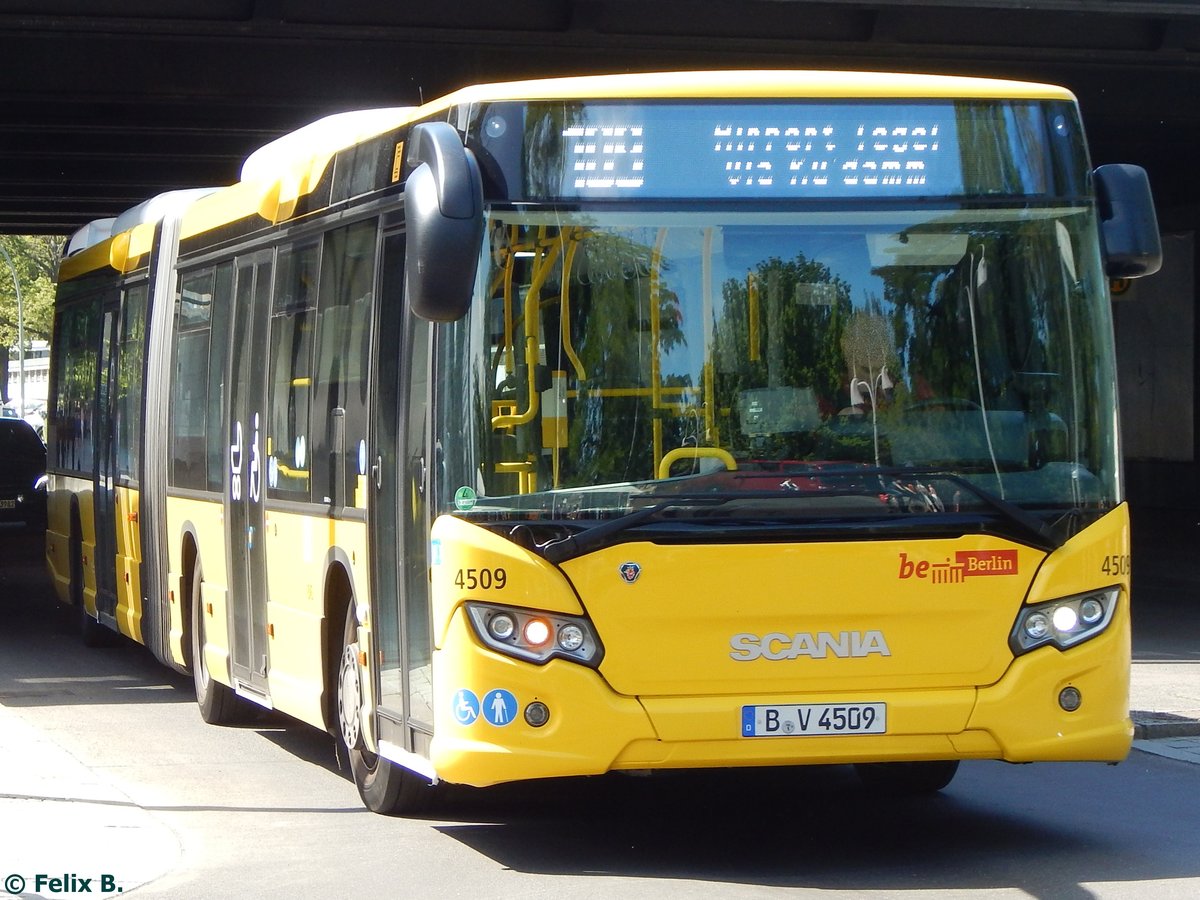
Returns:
(1115, 564)
(481, 579)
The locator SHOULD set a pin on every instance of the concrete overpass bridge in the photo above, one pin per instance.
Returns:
(107, 102)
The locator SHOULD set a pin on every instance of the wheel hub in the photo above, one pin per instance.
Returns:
(350, 697)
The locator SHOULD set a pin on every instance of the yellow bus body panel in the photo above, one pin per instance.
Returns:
(128, 562)
(201, 521)
(60, 501)
(669, 692)
(300, 548)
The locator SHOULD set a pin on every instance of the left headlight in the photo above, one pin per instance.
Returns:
(1064, 622)
(535, 636)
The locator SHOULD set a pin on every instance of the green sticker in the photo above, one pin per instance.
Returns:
(464, 499)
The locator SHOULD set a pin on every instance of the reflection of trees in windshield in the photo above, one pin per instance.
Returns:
(779, 366)
(616, 354)
(625, 317)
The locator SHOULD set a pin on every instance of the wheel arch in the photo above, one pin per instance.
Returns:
(189, 556)
(339, 595)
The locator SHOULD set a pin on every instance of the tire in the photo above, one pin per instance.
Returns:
(384, 787)
(218, 704)
(907, 779)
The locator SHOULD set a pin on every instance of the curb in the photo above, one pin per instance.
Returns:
(1151, 725)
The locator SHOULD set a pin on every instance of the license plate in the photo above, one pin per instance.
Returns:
(8, 504)
(810, 719)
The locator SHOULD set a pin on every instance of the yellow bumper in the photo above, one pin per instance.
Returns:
(482, 738)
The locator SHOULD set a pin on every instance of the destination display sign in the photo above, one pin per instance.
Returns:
(778, 150)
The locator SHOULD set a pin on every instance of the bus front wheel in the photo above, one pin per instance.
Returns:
(384, 787)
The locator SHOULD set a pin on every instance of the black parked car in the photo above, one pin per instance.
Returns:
(22, 474)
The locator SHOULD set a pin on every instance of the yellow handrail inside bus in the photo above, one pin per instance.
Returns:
(568, 346)
(542, 266)
(673, 456)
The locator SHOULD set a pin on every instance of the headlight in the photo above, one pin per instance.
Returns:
(535, 636)
(1063, 623)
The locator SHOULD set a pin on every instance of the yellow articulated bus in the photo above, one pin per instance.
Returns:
(622, 423)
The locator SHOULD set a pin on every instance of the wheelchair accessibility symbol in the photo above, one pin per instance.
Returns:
(466, 707)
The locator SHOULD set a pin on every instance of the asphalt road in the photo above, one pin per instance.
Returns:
(107, 771)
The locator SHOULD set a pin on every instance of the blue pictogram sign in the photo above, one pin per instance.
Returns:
(499, 707)
(466, 707)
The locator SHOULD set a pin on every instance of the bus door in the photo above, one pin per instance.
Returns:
(246, 481)
(398, 522)
(104, 503)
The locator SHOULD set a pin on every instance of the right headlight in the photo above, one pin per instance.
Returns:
(1064, 622)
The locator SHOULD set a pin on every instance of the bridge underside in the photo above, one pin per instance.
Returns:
(108, 102)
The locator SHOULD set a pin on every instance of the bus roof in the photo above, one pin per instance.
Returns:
(738, 84)
(276, 175)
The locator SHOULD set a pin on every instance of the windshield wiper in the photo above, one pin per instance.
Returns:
(1031, 529)
(597, 536)
(1037, 531)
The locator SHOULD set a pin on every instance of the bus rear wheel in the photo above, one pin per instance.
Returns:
(218, 704)
(384, 787)
(907, 779)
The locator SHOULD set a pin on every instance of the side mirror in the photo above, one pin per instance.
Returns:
(1128, 224)
(443, 210)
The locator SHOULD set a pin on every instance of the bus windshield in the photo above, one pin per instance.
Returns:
(938, 369)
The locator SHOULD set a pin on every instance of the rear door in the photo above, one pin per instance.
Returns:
(105, 468)
(245, 481)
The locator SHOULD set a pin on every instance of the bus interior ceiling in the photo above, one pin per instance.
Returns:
(101, 110)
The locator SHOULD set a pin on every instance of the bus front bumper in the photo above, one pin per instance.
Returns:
(483, 735)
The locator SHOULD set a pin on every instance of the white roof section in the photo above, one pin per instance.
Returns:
(322, 137)
(157, 208)
(151, 210)
(92, 233)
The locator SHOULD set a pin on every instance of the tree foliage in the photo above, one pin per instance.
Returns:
(35, 259)
(35, 264)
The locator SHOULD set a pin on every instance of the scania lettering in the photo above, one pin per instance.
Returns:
(608, 424)
(818, 646)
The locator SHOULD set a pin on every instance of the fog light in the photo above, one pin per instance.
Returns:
(537, 631)
(1070, 699)
(570, 638)
(1091, 611)
(537, 714)
(1037, 626)
(502, 626)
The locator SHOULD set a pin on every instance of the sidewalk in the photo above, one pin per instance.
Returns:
(52, 804)
(1165, 683)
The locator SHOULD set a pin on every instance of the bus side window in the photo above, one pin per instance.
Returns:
(130, 378)
(77, 334)
(189, 406)
(218, 359)
(343, 333)
(293, 317)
